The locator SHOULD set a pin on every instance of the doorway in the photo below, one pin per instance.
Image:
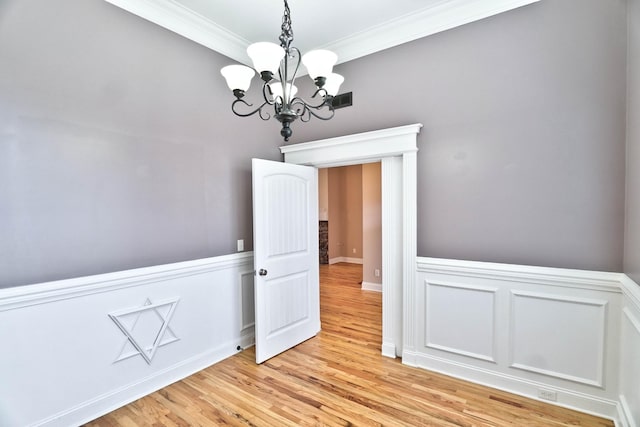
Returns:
(396, 149)
(350, 219)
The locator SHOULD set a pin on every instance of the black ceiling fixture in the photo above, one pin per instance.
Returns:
(278, 68)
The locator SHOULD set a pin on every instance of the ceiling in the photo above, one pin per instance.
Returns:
(351, 28)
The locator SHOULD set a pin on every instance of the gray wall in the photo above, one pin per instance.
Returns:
(118, 148)
(522, 152)
(632, 233)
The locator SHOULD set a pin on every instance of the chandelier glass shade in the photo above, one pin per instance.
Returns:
(277, 66)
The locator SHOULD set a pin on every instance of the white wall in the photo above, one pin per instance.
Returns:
(63, 358)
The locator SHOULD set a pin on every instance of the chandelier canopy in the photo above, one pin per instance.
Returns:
(278, 67)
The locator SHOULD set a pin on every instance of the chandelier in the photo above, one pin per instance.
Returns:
(278, 67)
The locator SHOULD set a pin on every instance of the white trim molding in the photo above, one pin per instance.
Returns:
(396, 148)
(431, 20)
(158, 334)
(370, 286)
(348, 260)
(631, 290)
(43, 293)
(438, 17)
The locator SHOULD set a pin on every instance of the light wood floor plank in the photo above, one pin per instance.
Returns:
(336, 379)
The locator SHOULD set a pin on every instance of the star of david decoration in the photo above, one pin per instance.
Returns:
(146, 328)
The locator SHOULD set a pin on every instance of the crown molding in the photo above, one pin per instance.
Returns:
(445, 15)
(183, 21)
(441, 17)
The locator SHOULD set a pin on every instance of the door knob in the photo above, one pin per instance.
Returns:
(262, 272)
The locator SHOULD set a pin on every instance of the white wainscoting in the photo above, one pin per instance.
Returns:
(630, 354)
(523, 329)
(75, 349)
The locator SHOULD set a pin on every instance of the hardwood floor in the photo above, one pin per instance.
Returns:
(338, 378)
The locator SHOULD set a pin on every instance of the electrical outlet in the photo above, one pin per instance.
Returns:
(547, 395)
(240, 245)
(353, 250)
(376, 272)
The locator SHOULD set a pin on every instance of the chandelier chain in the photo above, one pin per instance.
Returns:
(286, 36)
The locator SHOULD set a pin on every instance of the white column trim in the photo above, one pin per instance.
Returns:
(409, 249)
(391, 256)
(396, 148)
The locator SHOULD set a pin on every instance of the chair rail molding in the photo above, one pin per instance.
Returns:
(396, 149)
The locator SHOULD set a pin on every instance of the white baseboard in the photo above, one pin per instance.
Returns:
(111, 401)
(389, 350)
(345, 259)
(248, 338)
(369, 286)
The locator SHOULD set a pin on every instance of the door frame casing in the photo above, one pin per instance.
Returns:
(396, 148)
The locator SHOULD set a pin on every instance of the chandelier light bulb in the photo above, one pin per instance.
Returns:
(319, 62)
(266, 56)
(276, 90)
(332, 85)
(238, 77)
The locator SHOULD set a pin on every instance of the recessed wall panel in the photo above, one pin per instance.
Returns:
(247, 300)
(558, 336)
(460, 319)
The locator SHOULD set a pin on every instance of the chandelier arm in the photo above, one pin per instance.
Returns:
(298, 56)
(267, 94)
(306, 110)
(331, 110)
(325, 101)
(263, 115)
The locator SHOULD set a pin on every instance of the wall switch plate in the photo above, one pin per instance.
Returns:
(547, 395)
(240, 245)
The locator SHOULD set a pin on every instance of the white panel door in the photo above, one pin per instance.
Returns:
(285, 240)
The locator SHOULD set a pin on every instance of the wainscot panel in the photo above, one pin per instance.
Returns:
(75, 349)
(630, 353)
(546, 333)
